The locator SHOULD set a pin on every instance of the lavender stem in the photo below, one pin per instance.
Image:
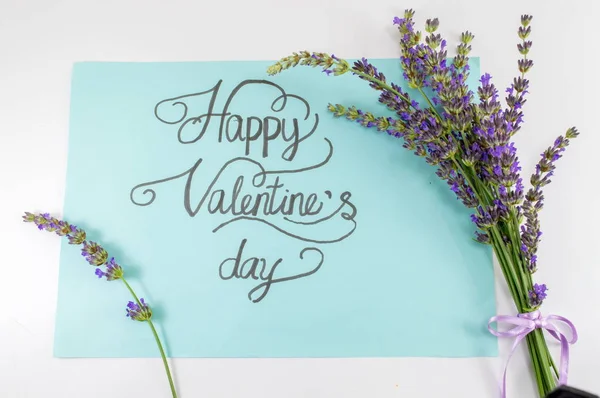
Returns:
(157, 339)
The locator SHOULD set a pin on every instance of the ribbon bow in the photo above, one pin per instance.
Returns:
(526, 323)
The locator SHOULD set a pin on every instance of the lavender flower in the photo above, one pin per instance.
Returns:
(390, 125)
(457, 183)
(330, 64)
(76, 236)
(51, 224)
(482, 237)
(417, 59)
(537, 295)
(94, 253)
(488, 217)
(397, 100)
(516, 92)
(488, 97)
(139, 312)
(534, 200)
(97, 256)
(431, 25)
(367, 71)
(113, 271)
(392, 95)
(43, 221)
(29, 217)
(63, 229)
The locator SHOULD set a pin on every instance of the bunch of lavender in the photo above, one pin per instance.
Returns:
(97, 256)
(467, 137)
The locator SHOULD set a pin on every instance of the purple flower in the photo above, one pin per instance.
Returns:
(139, 312)
(482, 237)
(94, 253)
(76, 236)
(113, 271)
(458, 184)
(44, 222)
(489, 216)
(485, 79)
(394, 99)
(62, 228)
(537, 295)
(526, 19)
(534, 200)
(431, 25)
(516, 92)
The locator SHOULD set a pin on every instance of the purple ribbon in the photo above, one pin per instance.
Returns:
(526, 323)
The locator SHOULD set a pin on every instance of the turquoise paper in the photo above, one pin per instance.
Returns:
(401, 276)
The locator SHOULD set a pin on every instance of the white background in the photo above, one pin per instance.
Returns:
(39, 41)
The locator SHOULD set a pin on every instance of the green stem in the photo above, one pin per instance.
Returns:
(164, 358)
(538, 343)
(500, 247)
(537, 368)
(430, 103)
(509, 265)
(527, 280)
(513, 234)
(538, 349)
(505, 266)
(554, 368)
(477, 185)
(157, 339)
(510, 285)
(131, 291)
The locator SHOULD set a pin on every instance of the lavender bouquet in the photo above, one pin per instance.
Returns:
(467, 137)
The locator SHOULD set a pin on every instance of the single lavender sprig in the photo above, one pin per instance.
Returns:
(330, 64)
(515, 98)
(97, 256)
(416, 56)
(534, 200)
(367, 119)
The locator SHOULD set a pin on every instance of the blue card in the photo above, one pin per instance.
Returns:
(255, 224)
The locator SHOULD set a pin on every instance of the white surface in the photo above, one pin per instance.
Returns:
(39, 41)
